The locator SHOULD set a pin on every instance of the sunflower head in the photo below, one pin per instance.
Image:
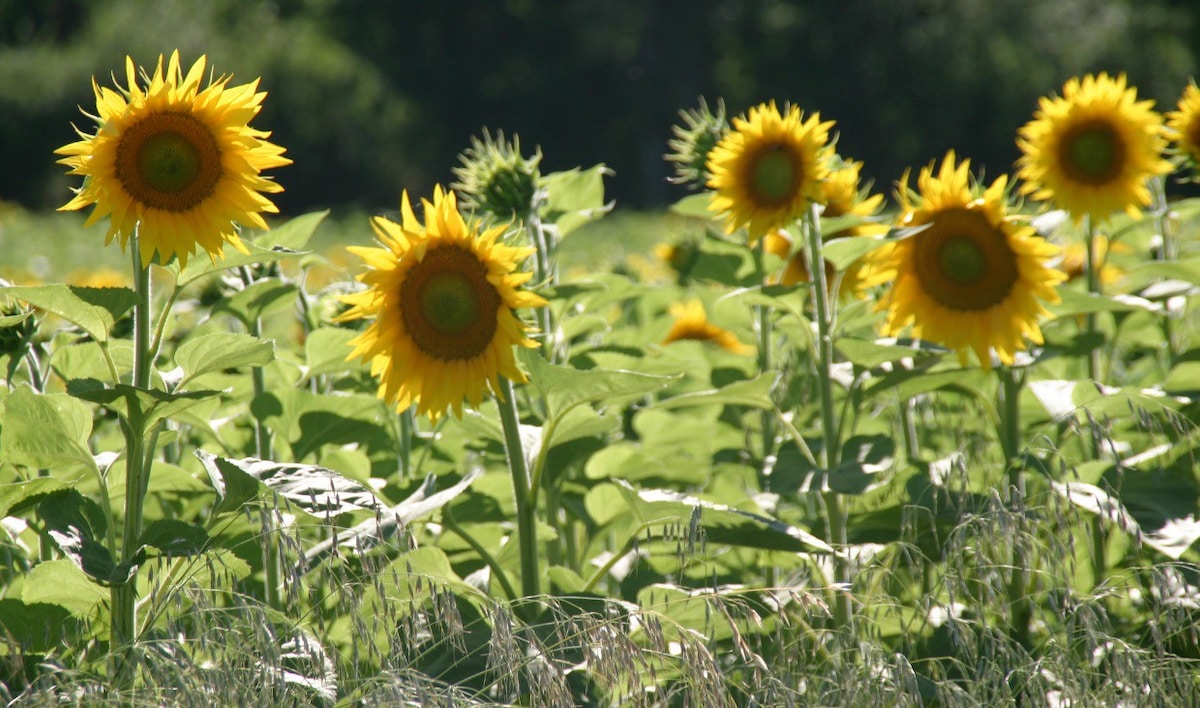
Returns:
(1093, 149)
(693, 140)
(441, 297)
(973, 278)
(496, 178)
(1183, 129)
(768, 168)
(175, 159)
(691, 322)
(1074, 259)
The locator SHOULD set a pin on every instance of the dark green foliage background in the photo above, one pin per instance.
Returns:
(373, 97)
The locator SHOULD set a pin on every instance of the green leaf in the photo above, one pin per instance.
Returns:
(62, 583)
(863, 458)
(751, 393)
(10, 320)
(907, 383)
(18, 496)
(172, 537)
(217, 351)
(1077, 302)
(722, 524)
(46, 430)
(293, 235)
(307, 421)
(843, 252)
(151, 405)
(76, 524)
(565, 388)
(869, 354)
(694, 205)
(36, 627)
(574, 197)
(258, 300)
(325, 352)
(94, 310)
(318, 491)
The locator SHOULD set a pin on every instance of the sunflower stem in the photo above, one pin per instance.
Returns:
(765, 360)
(123, 595)
(526, 511)
(1093, 286)
(407, 421)
(1010, 430)
(544, 275)
(835, 514)
(1166, 252)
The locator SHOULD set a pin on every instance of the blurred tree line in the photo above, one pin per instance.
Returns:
(373, 97)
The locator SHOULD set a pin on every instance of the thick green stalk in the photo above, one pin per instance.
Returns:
(406, 435)
(765, 360)
(835, 514)
(544, 274)
(526, 511)
(137, 470)
(1010, 430)
(1093, 286)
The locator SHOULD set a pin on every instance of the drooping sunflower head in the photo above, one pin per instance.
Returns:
(176, 160)
(496, 178)
(1183, 127)
(1093, 149)
(768, 168)
(691, 322)
(441, 295)
(693, 140)
(973, 279)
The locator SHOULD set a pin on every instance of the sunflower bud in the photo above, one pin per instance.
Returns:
(700, 131)
(17, 328)
(496, 178)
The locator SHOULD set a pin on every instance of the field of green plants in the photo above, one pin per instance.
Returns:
(518, 446)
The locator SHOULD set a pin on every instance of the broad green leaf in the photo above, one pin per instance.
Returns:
(694, 205)
(843, 252)
(871, 353)
(325, 352)
(48, 430)
(751, 393)
(172, 537)
(151, 405)
(94, 310)
(314, 489)
(17, 496)
(216, 351)
(36, 627)
(574, 197)
(307, 421)
(285, 241)
(564, 387)
(863, 458)
(1184, 377)
(61, 582)
(258, 300)
(722, 524)
(77, 525)
(906, 383)
(294, 234)
(1173, 537)
(1077, 302)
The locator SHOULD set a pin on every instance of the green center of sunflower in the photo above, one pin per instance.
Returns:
(962, 260)
(773, 176)
(168, 161)
(450, 309)
(449, 302)
(1092, 153)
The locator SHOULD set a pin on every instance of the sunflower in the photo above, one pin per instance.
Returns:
(1074, 259)
(442, 296)
(973, 277)
(1183, 125)
(768, 168)
(691, 322)
(1093, 149)
(178, 162)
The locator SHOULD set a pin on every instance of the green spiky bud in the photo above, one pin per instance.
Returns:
(695, 137)
(496, 178)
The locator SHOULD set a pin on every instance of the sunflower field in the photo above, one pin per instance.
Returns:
(795, 441)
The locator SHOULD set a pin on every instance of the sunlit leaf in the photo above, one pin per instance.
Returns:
(574, 197)
(316, 490)
(325, 352)
(216, 351)
(18, 496)
(94, 310)
(45, 430)
(62, 583)
(172, 537)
